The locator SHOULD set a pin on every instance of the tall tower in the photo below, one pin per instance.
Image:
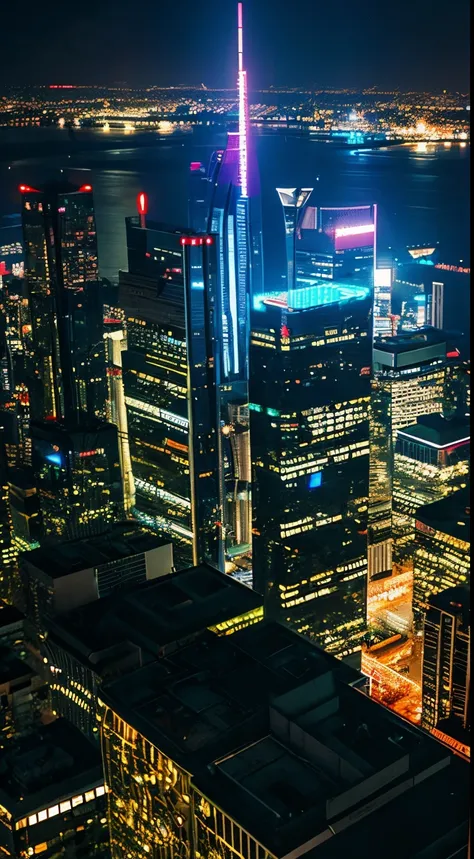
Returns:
(231, 194)
(293, 201)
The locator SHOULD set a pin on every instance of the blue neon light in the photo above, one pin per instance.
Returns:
(55, 458)
(315, 480)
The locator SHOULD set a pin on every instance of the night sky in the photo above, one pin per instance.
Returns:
(410, 44)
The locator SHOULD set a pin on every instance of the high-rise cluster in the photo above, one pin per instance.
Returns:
(189, 430)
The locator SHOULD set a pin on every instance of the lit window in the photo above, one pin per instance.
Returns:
(99, 791)
(42, 815)
(77, 800)
(32, 820)
(53, 811)
(65, 806)
(89, 795)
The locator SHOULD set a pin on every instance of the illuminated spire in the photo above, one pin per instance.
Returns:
(243, 106)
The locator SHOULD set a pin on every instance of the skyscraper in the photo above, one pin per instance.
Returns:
(224, 201)
(77, 474)
(446, 662)
(170, 377)
(293, 201)
(310, 394)
(64, 294)
(409, 381)
(442, 549)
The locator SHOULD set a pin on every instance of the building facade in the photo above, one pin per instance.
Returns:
(170, 373)
(446, 662)
(310, 395)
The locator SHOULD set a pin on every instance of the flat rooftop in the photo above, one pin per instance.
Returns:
(271, 730)
(38, 768)
(122, 540)
(9, 615)
(311, 293)
(451, 515)
(436, 431)
(412, 340)
(155, 613)
(12, 668)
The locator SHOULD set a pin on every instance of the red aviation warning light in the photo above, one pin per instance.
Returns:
(85, 188)
(27, 189)
(196, 241)
(142, 206)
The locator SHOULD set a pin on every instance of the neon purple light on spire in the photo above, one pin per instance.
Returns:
(243, 107)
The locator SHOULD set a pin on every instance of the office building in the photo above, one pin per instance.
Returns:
(446, 290)
(431, 461)
(409, 381)
(261, 745)
(293, 201)
(12, 630)
(310, 394)
(76, 470)
(66, 307)
(335, 243)
(52, 795)
(115, 635)
(58, 578)
(225, 202)
(25, 508)
(382, 301)
(446, 665)
(170, 374)
(22, 695)
(442, 548)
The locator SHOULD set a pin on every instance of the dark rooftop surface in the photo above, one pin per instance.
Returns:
(122, 540)
(272, 731)
(430, 821)
(11, 667)
(451, 515)
(454, 600)
(412, 340)
(40, 767)
(9, 614)
(436, 430)
(155, 613)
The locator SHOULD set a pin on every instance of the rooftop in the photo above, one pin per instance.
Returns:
(454, 601)
(272, 731)
(410, 340)
(40, 767)
(450, 515)
(438, 432)
(154, 614)
(122, 540)
(9, 615)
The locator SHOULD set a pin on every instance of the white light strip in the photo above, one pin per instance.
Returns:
(432, 443)
(242, 87)
(354, 231)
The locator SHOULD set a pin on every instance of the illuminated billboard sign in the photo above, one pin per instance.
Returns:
(349, 238)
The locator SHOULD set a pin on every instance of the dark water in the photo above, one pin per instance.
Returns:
(421, 196)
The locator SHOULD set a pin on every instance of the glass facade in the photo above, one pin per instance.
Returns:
(310, 396)
(442, 549)
(170, 372)
(78, 478)
(446, 650)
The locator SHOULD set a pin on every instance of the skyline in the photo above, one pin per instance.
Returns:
(378, 47)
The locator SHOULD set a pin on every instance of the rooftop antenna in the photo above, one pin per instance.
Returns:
(243, 104)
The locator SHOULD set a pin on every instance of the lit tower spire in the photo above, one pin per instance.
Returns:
(243, 105)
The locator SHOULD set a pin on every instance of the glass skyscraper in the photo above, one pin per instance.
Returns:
(310, 394)
(170, 376)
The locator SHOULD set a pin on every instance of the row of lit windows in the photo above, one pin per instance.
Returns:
(60, 808)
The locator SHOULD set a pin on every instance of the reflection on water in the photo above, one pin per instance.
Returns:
(422, 191)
